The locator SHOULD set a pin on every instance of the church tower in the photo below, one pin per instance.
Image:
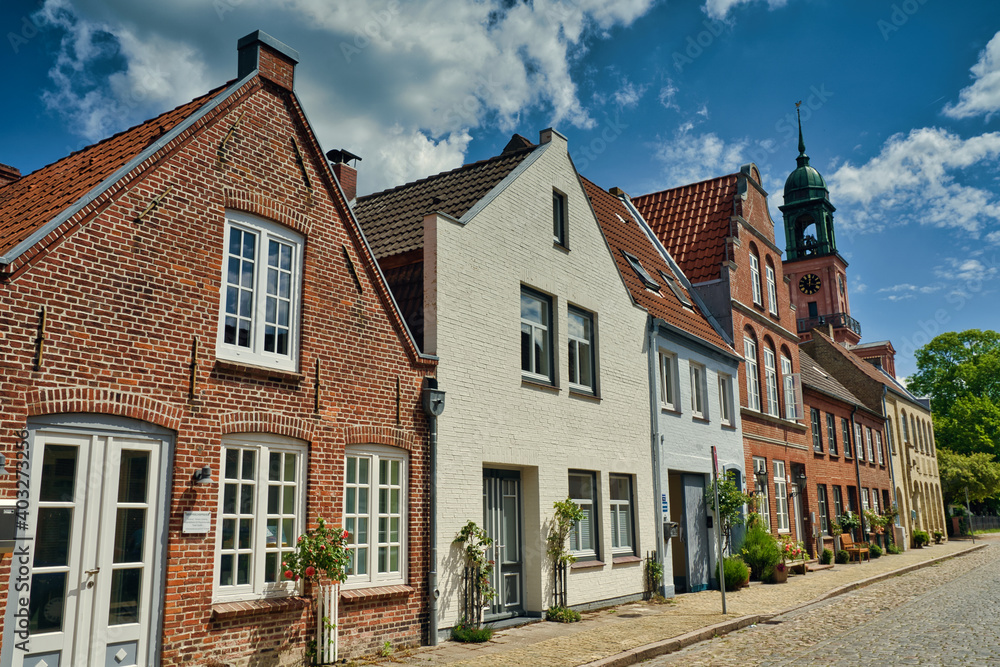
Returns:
(816, 271)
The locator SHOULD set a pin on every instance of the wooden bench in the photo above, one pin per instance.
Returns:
(852, 548)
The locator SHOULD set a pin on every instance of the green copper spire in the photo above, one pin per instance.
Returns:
(807, 209)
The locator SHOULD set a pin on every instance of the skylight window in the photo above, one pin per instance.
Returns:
(676, 289)
(636, 265)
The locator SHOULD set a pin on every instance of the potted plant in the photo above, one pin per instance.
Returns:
(836, 531)
(938, 536)
(760, 551)
(849, 521)
(920, 538)
(793, 551)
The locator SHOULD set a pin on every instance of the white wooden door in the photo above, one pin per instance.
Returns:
(99, 509)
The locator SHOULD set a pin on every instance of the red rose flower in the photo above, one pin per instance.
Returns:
(289, 574)
(344, 534)
(310, 571)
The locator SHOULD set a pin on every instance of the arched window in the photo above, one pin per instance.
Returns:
(906, 430)
(772, 286)
(770, 379)
(788, 386)
(755, 275)
(752, 373)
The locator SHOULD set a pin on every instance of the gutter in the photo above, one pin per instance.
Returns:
(433, 404)
(654, 417)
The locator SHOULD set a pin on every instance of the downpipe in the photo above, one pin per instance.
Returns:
(433, 404)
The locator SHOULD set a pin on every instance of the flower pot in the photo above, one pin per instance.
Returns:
(779, 575)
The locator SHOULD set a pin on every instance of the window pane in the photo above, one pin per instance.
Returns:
(126, 588)
(289, 467)
(249, 461)
(274, 467)
(58, 473)
(55, 525)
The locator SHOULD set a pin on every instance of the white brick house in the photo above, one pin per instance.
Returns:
(502, 270)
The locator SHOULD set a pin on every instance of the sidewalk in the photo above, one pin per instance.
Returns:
(630, 633)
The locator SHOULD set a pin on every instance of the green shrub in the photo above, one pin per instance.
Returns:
(875, 551)
(464, 633)
(892, 549)
(736, 572)
(562, 615)
(826, 557)
(760, 551)
(842, 557)
(920, 538)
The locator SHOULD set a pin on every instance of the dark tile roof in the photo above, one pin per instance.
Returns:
(393, 219)
(868, 369)
(30, 202)
(623, 232)
(692, 222)
(407, 285)
(815, 377)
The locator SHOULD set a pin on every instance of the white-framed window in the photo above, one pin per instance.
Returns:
(770, 381)
(859, 444)
(726, 399)
(583, 536)
(261, 514)
(559, 218)
(755, 277)
(753, 377)
(581, 350)
(878, 448)
(845, 429)
(772, 290)
(875, 501)
(790, 386)
(864, 499)
(817, 434)
(536, 336)
(375, 485)
(838, 500)
(763, 502)
(888, 435)
(831, 434)
(868, 444)
(698, 397)
(824, 519)
(622, 542)
(906, 432)
(261, 293)
(668, 380)
(781, 497)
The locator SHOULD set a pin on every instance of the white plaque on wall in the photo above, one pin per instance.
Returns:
(197, 522)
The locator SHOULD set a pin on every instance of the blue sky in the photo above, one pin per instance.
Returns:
(900, 106)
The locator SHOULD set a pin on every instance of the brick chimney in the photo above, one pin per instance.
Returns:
(273, 60)
(8, 174)
(346, 175)
(880, 354)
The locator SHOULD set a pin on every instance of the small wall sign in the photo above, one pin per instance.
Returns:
(197, 522)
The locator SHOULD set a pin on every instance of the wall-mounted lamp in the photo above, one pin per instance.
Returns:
(203, 476)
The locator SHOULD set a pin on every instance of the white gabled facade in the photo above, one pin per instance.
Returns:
(531, 436)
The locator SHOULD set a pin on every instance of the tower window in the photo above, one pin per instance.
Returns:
(813, 309)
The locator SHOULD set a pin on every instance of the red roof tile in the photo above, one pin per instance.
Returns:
(624, 233)
(393, 219)
(692, 222)
(30, 202)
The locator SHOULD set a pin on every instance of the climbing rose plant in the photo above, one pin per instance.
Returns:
(321, 551)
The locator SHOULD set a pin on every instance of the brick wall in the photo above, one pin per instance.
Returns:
(125, 301)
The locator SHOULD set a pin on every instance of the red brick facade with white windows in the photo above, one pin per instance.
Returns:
(130, 289)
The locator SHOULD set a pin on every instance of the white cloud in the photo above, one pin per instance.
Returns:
(628, 95)
(372, 74)
(983, 96)
(905, 291)
(719, 9)
(914, 176)
(967, 270)
(690, 157)
(668, 96)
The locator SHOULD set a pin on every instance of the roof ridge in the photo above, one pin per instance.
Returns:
(689, 185)
(206, 96)
(464, 167)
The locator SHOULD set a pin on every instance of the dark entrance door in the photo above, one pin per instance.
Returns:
(502, 521)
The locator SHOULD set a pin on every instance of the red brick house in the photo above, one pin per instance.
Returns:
(195, 294)
(849, 451)
(722, 235)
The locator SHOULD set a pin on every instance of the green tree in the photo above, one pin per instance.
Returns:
(957, 364)
(977, 471)
(971, 425)
(731, 502)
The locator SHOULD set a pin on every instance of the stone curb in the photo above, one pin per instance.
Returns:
(637, 655)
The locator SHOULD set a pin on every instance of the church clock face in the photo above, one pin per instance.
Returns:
(809, 283)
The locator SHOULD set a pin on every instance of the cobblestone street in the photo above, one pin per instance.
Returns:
(946, 614)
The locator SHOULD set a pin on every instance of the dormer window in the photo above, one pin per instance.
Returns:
(647, 280)
(676, 289)
(559, 219)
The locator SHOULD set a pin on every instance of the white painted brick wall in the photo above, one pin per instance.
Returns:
(493, 420)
